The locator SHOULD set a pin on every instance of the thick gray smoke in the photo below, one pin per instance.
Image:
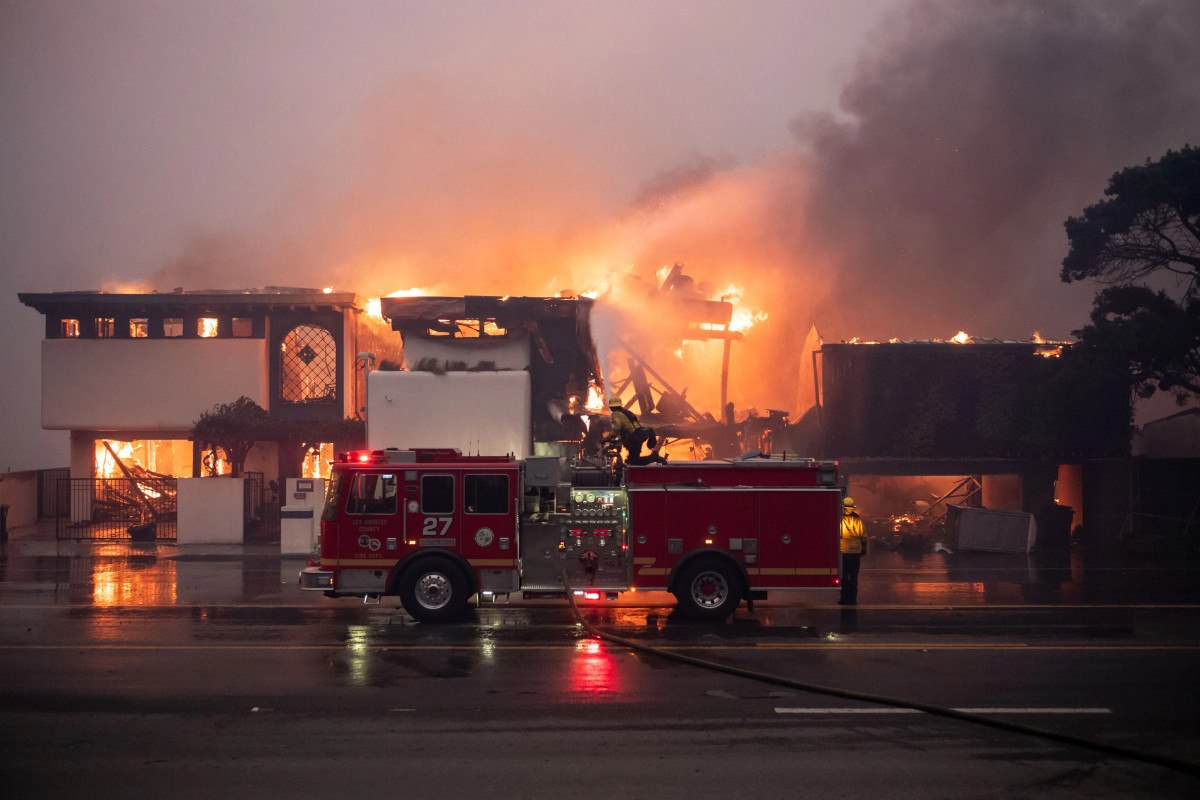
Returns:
(969, 132)
(975, 130)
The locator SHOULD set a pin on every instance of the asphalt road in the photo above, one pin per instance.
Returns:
(199, 676)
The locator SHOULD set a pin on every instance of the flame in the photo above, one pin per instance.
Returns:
(374, 307)
(743, 319)
(962, 337)
(595, 398)
(208, 327)
(327, 290)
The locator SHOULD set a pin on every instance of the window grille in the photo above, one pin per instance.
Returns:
(308, 365)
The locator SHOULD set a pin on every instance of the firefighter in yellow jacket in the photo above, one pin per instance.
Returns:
(853, 547)
(632, 435)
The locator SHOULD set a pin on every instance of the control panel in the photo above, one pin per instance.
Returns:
(588, 542)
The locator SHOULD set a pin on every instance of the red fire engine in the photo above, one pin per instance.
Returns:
(436, 527)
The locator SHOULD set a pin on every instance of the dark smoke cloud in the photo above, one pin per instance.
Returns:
(975, 130)
(969, 132)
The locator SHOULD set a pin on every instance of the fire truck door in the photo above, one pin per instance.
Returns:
(429, 509)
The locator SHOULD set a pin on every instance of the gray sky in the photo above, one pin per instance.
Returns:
(878, 167)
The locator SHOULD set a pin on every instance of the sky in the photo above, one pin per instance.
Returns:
(878, 168)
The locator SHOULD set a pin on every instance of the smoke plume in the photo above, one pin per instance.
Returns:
(934, 202)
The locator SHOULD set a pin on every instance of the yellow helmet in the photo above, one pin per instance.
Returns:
(848, 502)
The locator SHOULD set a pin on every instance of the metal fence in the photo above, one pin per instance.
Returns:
(261, 509)
(54, 496)
(115, 508)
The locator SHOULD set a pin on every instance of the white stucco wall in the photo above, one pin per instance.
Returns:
(477, 412)
(210, 510)
(508, 352)
(146, 385)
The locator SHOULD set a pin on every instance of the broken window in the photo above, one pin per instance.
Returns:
(467, 328)
(70, 328)
(207, 327)
(104, 327)
(173, 327)
(308, 365)
(139, 328)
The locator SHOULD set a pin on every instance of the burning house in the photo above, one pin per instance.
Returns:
(487, 375)
(920, 425)
(129, 374)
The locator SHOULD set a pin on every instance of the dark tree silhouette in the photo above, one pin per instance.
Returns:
(234, 427)
(1143, 245)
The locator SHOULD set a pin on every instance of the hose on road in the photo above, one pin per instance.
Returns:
(1169, 762)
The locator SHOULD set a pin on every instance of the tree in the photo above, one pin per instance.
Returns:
(297, 438)
(234, 427)
(1143, 245)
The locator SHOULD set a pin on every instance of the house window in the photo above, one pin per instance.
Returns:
(207, 327)
(242, 327)
(172, 327)
(467, 328)
(104, 327)
(70, 328)
(139, 328)
(308, 365)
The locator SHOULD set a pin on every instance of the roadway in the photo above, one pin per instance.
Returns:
(174, 672)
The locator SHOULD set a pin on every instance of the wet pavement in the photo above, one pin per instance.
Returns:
(37, 569)
(191, 671)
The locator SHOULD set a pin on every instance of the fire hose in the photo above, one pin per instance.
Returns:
(1169, 762)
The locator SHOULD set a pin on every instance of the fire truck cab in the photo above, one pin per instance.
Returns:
(436, 528)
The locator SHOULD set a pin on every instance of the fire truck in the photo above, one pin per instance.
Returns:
(436, 528)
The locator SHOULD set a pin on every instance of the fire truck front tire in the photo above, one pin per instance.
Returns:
(708, 589)
(434, 590)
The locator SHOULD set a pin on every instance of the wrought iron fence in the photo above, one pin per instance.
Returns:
(116, 508)
(54, 496)
(261, 508)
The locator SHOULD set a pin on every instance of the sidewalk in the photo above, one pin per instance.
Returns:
(36, 568)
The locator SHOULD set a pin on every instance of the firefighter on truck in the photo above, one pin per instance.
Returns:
(436, 528)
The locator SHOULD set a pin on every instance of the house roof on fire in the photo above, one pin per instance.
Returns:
(230, 299)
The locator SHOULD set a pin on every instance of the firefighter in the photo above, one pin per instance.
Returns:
(632, 435)
(853, 547)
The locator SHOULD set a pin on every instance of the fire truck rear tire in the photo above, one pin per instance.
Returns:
(708, 589)
(434, 590)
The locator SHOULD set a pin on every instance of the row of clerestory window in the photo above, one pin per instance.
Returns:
(166, 328)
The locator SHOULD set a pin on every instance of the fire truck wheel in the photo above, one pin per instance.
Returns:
(434, 590)
(708, 589)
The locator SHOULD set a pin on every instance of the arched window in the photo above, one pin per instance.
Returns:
(308, 365)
